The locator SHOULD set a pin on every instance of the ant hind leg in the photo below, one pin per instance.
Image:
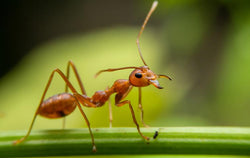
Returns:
(37, 111)
(42, 98)
(88, 124)
(72, 65)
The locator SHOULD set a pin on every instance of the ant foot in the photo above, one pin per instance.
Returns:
(146, 138)
(94, 148)
(18, 141)
(145, 125)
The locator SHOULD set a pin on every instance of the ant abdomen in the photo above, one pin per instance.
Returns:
(58, 106)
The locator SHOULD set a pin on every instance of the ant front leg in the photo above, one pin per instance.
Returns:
(119, 104)
(141, 108)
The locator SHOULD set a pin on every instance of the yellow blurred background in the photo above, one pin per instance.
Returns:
(202, 45)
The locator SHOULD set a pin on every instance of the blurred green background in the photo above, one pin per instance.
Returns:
(203, 45)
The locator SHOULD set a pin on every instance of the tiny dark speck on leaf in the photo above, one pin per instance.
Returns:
(156, 134)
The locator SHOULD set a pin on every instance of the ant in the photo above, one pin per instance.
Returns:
(61, 105)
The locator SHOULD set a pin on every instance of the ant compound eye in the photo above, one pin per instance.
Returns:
(138, 75)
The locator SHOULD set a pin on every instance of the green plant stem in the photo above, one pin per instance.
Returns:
(120, 141)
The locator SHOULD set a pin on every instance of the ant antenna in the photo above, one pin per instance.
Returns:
(110, 70)
(154, 5)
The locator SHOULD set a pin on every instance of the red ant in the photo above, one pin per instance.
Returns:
(63, 104)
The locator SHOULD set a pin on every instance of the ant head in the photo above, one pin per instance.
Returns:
(143, 76)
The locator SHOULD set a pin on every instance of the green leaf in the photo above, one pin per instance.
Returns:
(127, 141)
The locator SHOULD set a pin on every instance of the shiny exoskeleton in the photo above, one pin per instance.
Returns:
(63, 104)
(57, 106)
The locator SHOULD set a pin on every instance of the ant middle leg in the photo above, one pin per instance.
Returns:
(110, 113)
(141, 109)
(88, 124)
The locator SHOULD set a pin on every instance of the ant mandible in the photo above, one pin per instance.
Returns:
(63, 104)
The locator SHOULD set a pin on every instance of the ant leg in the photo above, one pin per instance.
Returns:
(64, 123)
(141, 108)
(110, 114)
(88, 124)
(28, 133)
(72, 65)
(84, 100)
(110, 111)
(133, 116)
(41, 101)
(36, 113)
(77, 95)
